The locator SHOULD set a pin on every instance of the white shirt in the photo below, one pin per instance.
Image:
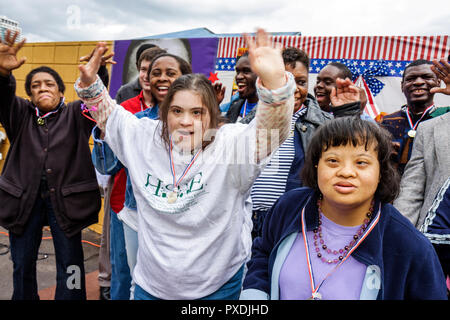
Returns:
(190, 248)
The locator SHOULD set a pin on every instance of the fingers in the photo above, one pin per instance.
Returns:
(99, 51)
(262, 38)
(441, 68)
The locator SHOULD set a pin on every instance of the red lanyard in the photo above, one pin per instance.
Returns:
(315, 289)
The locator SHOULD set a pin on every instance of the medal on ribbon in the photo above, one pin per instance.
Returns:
(412, 131)
(173, 195)
(41, 119)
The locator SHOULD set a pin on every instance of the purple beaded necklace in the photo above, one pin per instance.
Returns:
(321, 248)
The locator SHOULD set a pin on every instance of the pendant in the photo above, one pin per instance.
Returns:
(316, 296)
(172, 198)
(412, 133)
(40, 121)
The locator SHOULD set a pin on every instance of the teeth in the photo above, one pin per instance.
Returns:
(163, 88)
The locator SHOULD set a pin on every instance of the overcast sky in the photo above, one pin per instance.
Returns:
(51, 20)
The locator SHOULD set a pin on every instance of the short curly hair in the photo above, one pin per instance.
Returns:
(50, 71)
(293, 55)
(355, 131)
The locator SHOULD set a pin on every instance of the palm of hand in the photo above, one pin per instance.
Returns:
(266, 60)
(8, 59)
(342, 98)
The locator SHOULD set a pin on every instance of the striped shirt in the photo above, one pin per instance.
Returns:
(271, 183)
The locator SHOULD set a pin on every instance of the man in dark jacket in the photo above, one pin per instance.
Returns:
(48, 177)
(246, 83)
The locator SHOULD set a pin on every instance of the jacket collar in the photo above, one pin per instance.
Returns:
(315, 115)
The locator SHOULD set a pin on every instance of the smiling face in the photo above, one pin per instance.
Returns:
(164, 72)
(416, 85)
(326, 81)
(348, 176)
(187, 120)
(246, 80)
(144, 80)
(45, 92)
(300, 73)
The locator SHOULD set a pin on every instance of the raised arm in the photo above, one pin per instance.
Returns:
(91, 90)
(8, 53)
(276, 89)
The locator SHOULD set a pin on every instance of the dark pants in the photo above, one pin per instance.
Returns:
(70, 275)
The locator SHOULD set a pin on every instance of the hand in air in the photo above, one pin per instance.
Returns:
(266, 61)
(344, 92)
(442, 70)
(88, 72)
(8, 52)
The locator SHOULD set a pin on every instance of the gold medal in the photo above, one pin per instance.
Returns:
(412, 133)
(316, 296)
(172, 198)
(40, 121)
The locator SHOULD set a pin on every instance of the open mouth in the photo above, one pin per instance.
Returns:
(241, 86)
(419, 92)
(162, 90)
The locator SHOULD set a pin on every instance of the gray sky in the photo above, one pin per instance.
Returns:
(50, 20)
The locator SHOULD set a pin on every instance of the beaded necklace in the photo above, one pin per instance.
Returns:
(319, 243)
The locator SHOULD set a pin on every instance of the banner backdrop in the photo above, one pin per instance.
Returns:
(377, 62)
(200, 52)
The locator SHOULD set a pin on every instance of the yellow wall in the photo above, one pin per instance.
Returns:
(64, 58)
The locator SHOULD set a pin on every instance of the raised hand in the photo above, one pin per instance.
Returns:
(106, 59)
(266, 61)
(219, 90)
(88, 72)
(344, 92)
(442, 70)
(8, 53)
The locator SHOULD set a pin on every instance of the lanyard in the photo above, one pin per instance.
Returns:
(315, 290)
(414, 126)
(245, 109)
(40, 119)
(172, 167)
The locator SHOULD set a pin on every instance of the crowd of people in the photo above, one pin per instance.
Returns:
(278, 194)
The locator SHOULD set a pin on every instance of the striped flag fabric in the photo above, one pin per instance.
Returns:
(359, 52)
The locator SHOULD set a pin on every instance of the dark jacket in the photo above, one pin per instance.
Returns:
(60, 150)
(403, 259)
(235, 110)
(128, 91)
(305, 125)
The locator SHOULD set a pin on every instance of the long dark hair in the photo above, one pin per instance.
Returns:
(200, 85)
(353, 130)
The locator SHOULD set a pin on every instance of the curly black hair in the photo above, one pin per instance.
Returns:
(293, 55)
(355, 131)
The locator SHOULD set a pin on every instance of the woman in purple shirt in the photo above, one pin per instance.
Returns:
(341, 238)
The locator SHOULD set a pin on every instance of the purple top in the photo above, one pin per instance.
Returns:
(343, 284)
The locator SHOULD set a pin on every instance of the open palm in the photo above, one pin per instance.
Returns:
(8, 52)
(442, 70)
(266, 61)
(88, 72)
(345, 92)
